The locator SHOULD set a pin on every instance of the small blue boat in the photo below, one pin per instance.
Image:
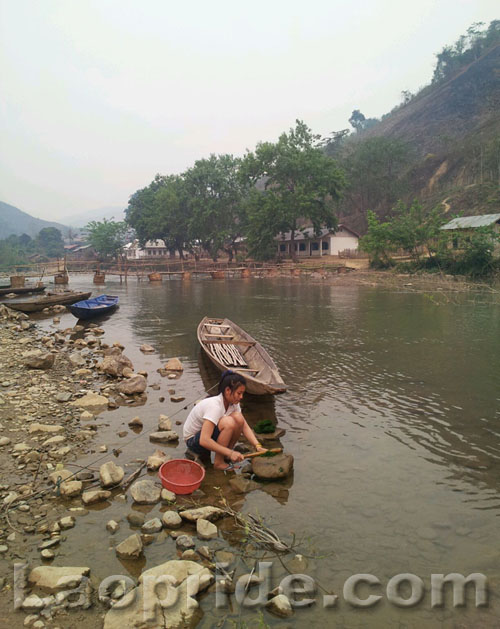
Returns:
(94, 307)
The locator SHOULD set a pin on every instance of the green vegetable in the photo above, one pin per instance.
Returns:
(264, 427)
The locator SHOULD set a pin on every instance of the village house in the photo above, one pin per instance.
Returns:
(152, 249)
(328, 243)
(463, 226)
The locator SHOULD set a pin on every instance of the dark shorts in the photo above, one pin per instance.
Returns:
(193, 443)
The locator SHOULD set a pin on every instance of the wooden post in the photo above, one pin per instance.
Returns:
(17, 281)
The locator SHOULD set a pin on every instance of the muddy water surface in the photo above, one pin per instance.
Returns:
(392, 415)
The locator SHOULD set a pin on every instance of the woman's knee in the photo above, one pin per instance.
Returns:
(227, 423)
(239, 419)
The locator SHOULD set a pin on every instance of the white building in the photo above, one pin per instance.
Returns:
(152, 249)
(328, 243)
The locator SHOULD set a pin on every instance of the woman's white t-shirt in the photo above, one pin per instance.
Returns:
(211, 408)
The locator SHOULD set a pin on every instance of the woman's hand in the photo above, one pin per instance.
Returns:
(236, 457)
(260, 448)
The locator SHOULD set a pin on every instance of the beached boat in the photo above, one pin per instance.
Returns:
(94, 307)
(54, 299)
(230, 347)
(24, 290)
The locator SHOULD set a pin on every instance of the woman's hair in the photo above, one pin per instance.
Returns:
(231, 380)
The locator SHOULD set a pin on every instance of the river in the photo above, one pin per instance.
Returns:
(392, 415)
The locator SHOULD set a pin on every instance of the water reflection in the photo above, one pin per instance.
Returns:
(391, 414)
(425, 375)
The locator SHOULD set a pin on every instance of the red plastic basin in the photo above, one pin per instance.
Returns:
(181, 475)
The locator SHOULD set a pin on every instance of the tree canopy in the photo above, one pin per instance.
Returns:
(50, 242)
(215, 193)
(160, 211)
(300, 183)
(466, 49)
(107, 237)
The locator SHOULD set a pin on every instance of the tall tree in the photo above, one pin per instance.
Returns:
(160, 211)
(50, 241)
(215, 193)
(300, 182)
(107, 237)
(357, 119)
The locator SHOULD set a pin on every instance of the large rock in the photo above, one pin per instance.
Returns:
(63, 474)
(36, 427)
(156, 460)
(205, 529)
(152, 526)
(71, 488)
(184, 542)
(77, 360)
(174, 364)
(243, 485)
(114, 362)
(111, 474)
(167, 495)
(147, 349)
(164, 423)
(206, 513)
(40, 361)
(164, 436)
(134, 384)
(96, 495)
(274, 467)
(145, 492)
(171, 519)
(130, 548)
(54, 578)
(91, 402)
(145, 610)
(280, 606)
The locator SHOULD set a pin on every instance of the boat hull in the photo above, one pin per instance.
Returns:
(95, 307)
(22, 291)
(233, 343)
(44, 302)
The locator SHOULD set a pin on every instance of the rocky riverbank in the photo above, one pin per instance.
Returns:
(55, 389)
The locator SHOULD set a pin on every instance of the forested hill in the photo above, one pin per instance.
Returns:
(15, 221)
(442, 146)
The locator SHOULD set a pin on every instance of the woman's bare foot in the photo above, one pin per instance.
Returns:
(223, 467)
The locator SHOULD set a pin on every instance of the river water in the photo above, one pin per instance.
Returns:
(392, 415)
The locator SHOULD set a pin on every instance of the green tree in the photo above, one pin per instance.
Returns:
(414, 230)
(50, 242)
(377, 241)
(357, 120)
(215, 193)
(477, 252)
(107, 237)
(334, 144)
(161, 211)
(376, 170)
(300, 182)
(467, 48)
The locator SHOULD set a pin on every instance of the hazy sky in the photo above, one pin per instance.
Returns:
(99, 95)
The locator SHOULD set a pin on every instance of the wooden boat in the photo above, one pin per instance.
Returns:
(22, 291)
(230, 347)
(54, 299)
(155, 277)
(94, 307)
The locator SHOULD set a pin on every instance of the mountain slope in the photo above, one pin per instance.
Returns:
(15, 221)
(452, 131)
